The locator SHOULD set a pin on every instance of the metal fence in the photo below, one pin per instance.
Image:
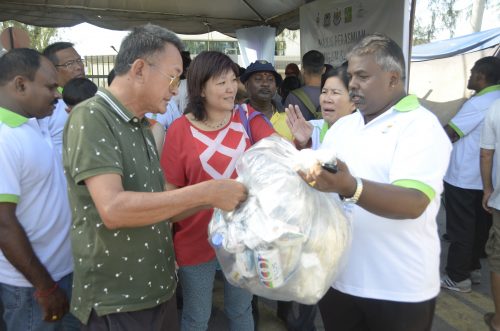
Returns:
(97, 67)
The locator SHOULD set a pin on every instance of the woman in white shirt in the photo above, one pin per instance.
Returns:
(334, 102)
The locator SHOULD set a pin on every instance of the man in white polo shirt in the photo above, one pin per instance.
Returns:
(394, 155)
(35, 259)
(467, 223)
(490, 140)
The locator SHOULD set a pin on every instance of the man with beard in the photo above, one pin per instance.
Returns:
(35, 260)
(467, 223)
(391, 157)
(261, 81)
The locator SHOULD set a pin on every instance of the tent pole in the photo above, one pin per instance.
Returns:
(410, 36)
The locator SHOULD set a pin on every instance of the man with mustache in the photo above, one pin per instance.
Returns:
(392, 156)
(261, 81)
(35, 260)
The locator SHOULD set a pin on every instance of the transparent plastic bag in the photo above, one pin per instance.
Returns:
(287, 241)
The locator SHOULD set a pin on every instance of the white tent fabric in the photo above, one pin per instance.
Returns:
(464, 44)
(181, 16)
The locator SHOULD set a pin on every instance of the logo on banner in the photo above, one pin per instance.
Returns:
(337, 16)
(348, 15)
(327, 20)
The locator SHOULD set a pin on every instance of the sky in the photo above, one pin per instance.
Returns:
(86, 43)
(92, 40)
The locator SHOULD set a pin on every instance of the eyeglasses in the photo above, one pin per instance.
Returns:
(175, 81)
(71, 63)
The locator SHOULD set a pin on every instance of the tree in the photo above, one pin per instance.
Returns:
(40, 37)
(443, 18)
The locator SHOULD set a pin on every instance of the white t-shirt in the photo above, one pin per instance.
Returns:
(32, 177)
(316, 134)
(490, 139)
(55, 124)
(168, 117)
(464, 169)
(396, 260)
(181, 99)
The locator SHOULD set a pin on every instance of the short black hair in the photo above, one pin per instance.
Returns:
(489, 66)
(78, 90)
(313, 62)
(19, 62)
(340, 72)
(288, 84)
(51, 50)
(186, 61)
(111, 76)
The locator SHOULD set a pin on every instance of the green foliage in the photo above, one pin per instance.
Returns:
(443, 18)
(40, 37)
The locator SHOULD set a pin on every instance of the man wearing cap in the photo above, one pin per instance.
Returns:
(261, 81)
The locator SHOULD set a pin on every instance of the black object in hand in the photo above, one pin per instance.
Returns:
(330, 167)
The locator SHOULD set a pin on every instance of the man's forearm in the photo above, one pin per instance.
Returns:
(19, 252)
(486, 166)
(392, 201)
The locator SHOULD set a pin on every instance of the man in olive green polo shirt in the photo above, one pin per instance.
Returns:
(122, 246)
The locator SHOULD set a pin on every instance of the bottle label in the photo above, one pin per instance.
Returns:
(268, 266)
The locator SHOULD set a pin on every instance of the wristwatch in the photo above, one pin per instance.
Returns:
(357, 192)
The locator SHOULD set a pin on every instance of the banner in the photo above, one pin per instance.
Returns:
(334, 26)
(256, 43)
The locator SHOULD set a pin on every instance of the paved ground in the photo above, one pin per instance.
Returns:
(454, 311)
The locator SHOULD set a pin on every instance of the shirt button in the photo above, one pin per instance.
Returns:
(135, 120)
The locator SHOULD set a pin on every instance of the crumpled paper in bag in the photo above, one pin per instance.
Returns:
(287, 241)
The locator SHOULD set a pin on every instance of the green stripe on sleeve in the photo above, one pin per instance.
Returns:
(9, 198)
(11, 119)
(422, 187)
(456, 129)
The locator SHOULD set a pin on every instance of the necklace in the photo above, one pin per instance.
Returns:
(218, 125)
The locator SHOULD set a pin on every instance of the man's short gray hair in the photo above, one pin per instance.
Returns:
(388, 54)
(143, 42)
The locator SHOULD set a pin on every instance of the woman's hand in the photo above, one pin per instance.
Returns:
(300, 128)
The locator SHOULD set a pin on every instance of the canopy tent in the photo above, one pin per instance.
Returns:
(181, 16)
(465, 44)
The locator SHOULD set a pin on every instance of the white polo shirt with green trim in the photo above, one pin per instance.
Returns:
(55, 125)
(396, 260)
(464, 169)
(490, 139)
(32, 177)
